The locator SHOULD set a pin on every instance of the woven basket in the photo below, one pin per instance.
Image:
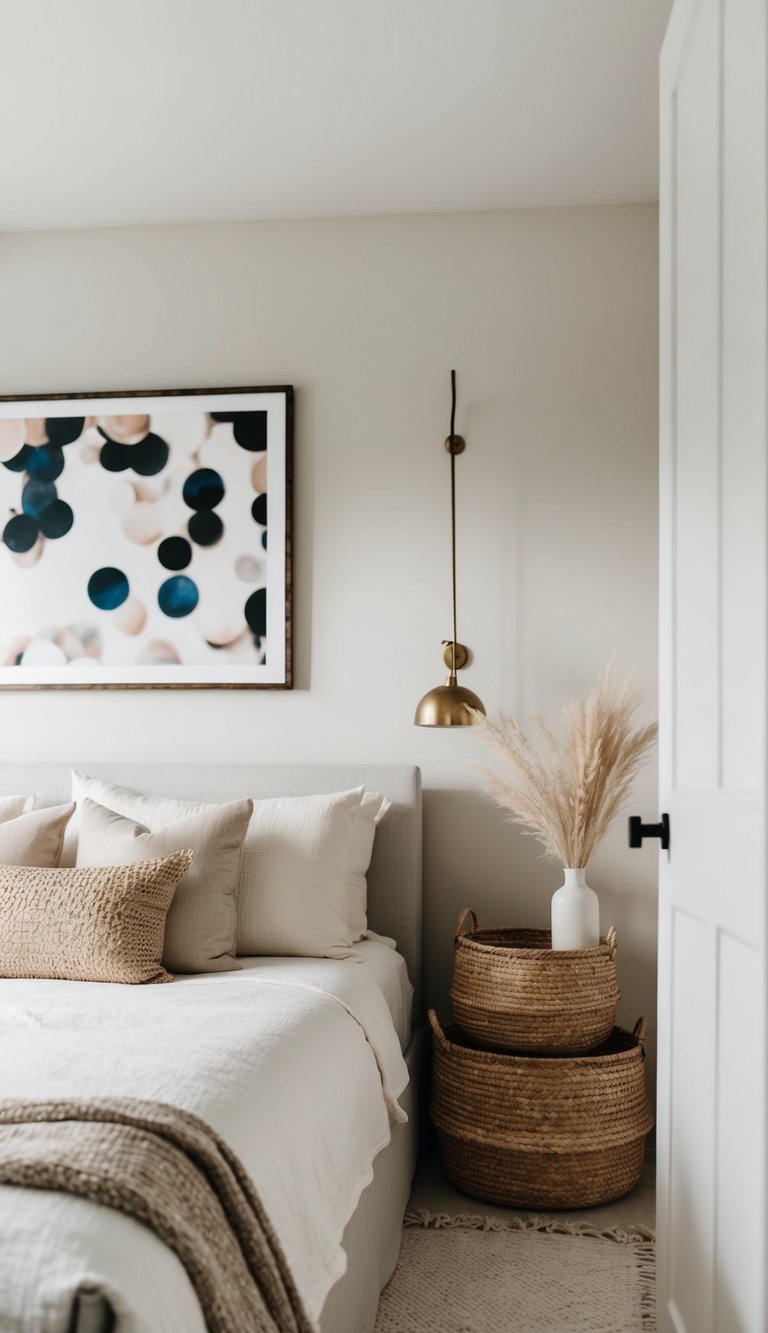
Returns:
(541, 1131)
(512, 992)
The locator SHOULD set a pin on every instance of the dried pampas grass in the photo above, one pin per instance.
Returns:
(568, 794)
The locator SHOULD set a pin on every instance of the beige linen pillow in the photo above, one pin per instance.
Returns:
(95, 924)
(11, 806)
(292, 895)
(366, 819)
(34, 839)
(200, 929)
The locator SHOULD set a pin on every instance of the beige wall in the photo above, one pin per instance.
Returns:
(550, 319)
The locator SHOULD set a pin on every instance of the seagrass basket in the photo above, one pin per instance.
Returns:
(513, 992)
(541, 1131)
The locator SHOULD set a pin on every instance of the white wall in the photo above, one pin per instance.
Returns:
(550, 320)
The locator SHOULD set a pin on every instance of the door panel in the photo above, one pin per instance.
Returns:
(697, 437)
(713, 1020)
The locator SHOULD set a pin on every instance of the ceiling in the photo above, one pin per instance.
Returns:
(155, 111)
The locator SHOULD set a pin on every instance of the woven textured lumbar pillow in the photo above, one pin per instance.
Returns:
(34, 839)
(96, 924)
(200, 929)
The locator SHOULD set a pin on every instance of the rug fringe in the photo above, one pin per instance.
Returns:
(645, 1255)
(640, 1236)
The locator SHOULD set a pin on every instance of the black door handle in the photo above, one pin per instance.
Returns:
(638, 830)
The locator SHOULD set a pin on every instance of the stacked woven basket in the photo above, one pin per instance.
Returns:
(538, 1100)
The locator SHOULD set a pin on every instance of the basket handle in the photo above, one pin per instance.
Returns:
(638, 1032)
(461, 924)
(611, 940)
(434, 1023)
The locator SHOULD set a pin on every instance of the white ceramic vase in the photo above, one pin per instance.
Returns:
(575, 914)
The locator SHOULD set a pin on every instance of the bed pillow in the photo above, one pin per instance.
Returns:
(292, 893)
(35, 838)
(12, 806)
(200, 928)
(366, 819)
(103, 923)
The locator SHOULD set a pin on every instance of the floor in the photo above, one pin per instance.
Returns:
(638, 1208)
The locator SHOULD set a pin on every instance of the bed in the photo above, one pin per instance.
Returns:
(352, 1019)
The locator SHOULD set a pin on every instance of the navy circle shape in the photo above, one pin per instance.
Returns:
(45, 463)
(37, 496)
(256, 611)
(20, 533)
(205, 528)
(64, 430)
(174, 553)
(108, 588)
(19, 461)
(115, 457)
(56, 520)
(203, 489)
(178, 596)
(250, 430)
(149, 456)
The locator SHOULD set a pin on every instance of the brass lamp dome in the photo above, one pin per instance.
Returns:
(448, 706)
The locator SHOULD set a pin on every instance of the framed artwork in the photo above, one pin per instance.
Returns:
(145, 539)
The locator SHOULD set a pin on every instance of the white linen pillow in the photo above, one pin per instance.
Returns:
(13, 806)
(200, 926)
(366, 819)
(292, 892)
(292, 895)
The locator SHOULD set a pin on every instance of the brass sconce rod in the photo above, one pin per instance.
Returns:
(448, 705)
(452, 450)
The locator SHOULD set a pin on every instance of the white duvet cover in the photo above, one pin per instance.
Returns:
(295, 1063)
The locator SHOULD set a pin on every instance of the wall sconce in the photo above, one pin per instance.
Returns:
(448, 705)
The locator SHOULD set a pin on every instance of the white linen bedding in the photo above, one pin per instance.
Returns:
(380, 962)
(294, 1062)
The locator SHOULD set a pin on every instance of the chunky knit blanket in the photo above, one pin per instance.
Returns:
(169, 1170)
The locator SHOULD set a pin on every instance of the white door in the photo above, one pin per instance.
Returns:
(713, 1238)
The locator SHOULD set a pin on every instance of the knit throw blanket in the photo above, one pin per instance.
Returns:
(169, 1170)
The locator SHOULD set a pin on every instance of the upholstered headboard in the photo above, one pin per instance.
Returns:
(394, 879)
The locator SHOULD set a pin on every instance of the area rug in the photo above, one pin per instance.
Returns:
(472, 1274)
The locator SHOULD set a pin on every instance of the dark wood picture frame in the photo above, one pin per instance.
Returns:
(279, 574)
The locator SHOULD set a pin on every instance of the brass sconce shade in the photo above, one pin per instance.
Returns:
(448, 705)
